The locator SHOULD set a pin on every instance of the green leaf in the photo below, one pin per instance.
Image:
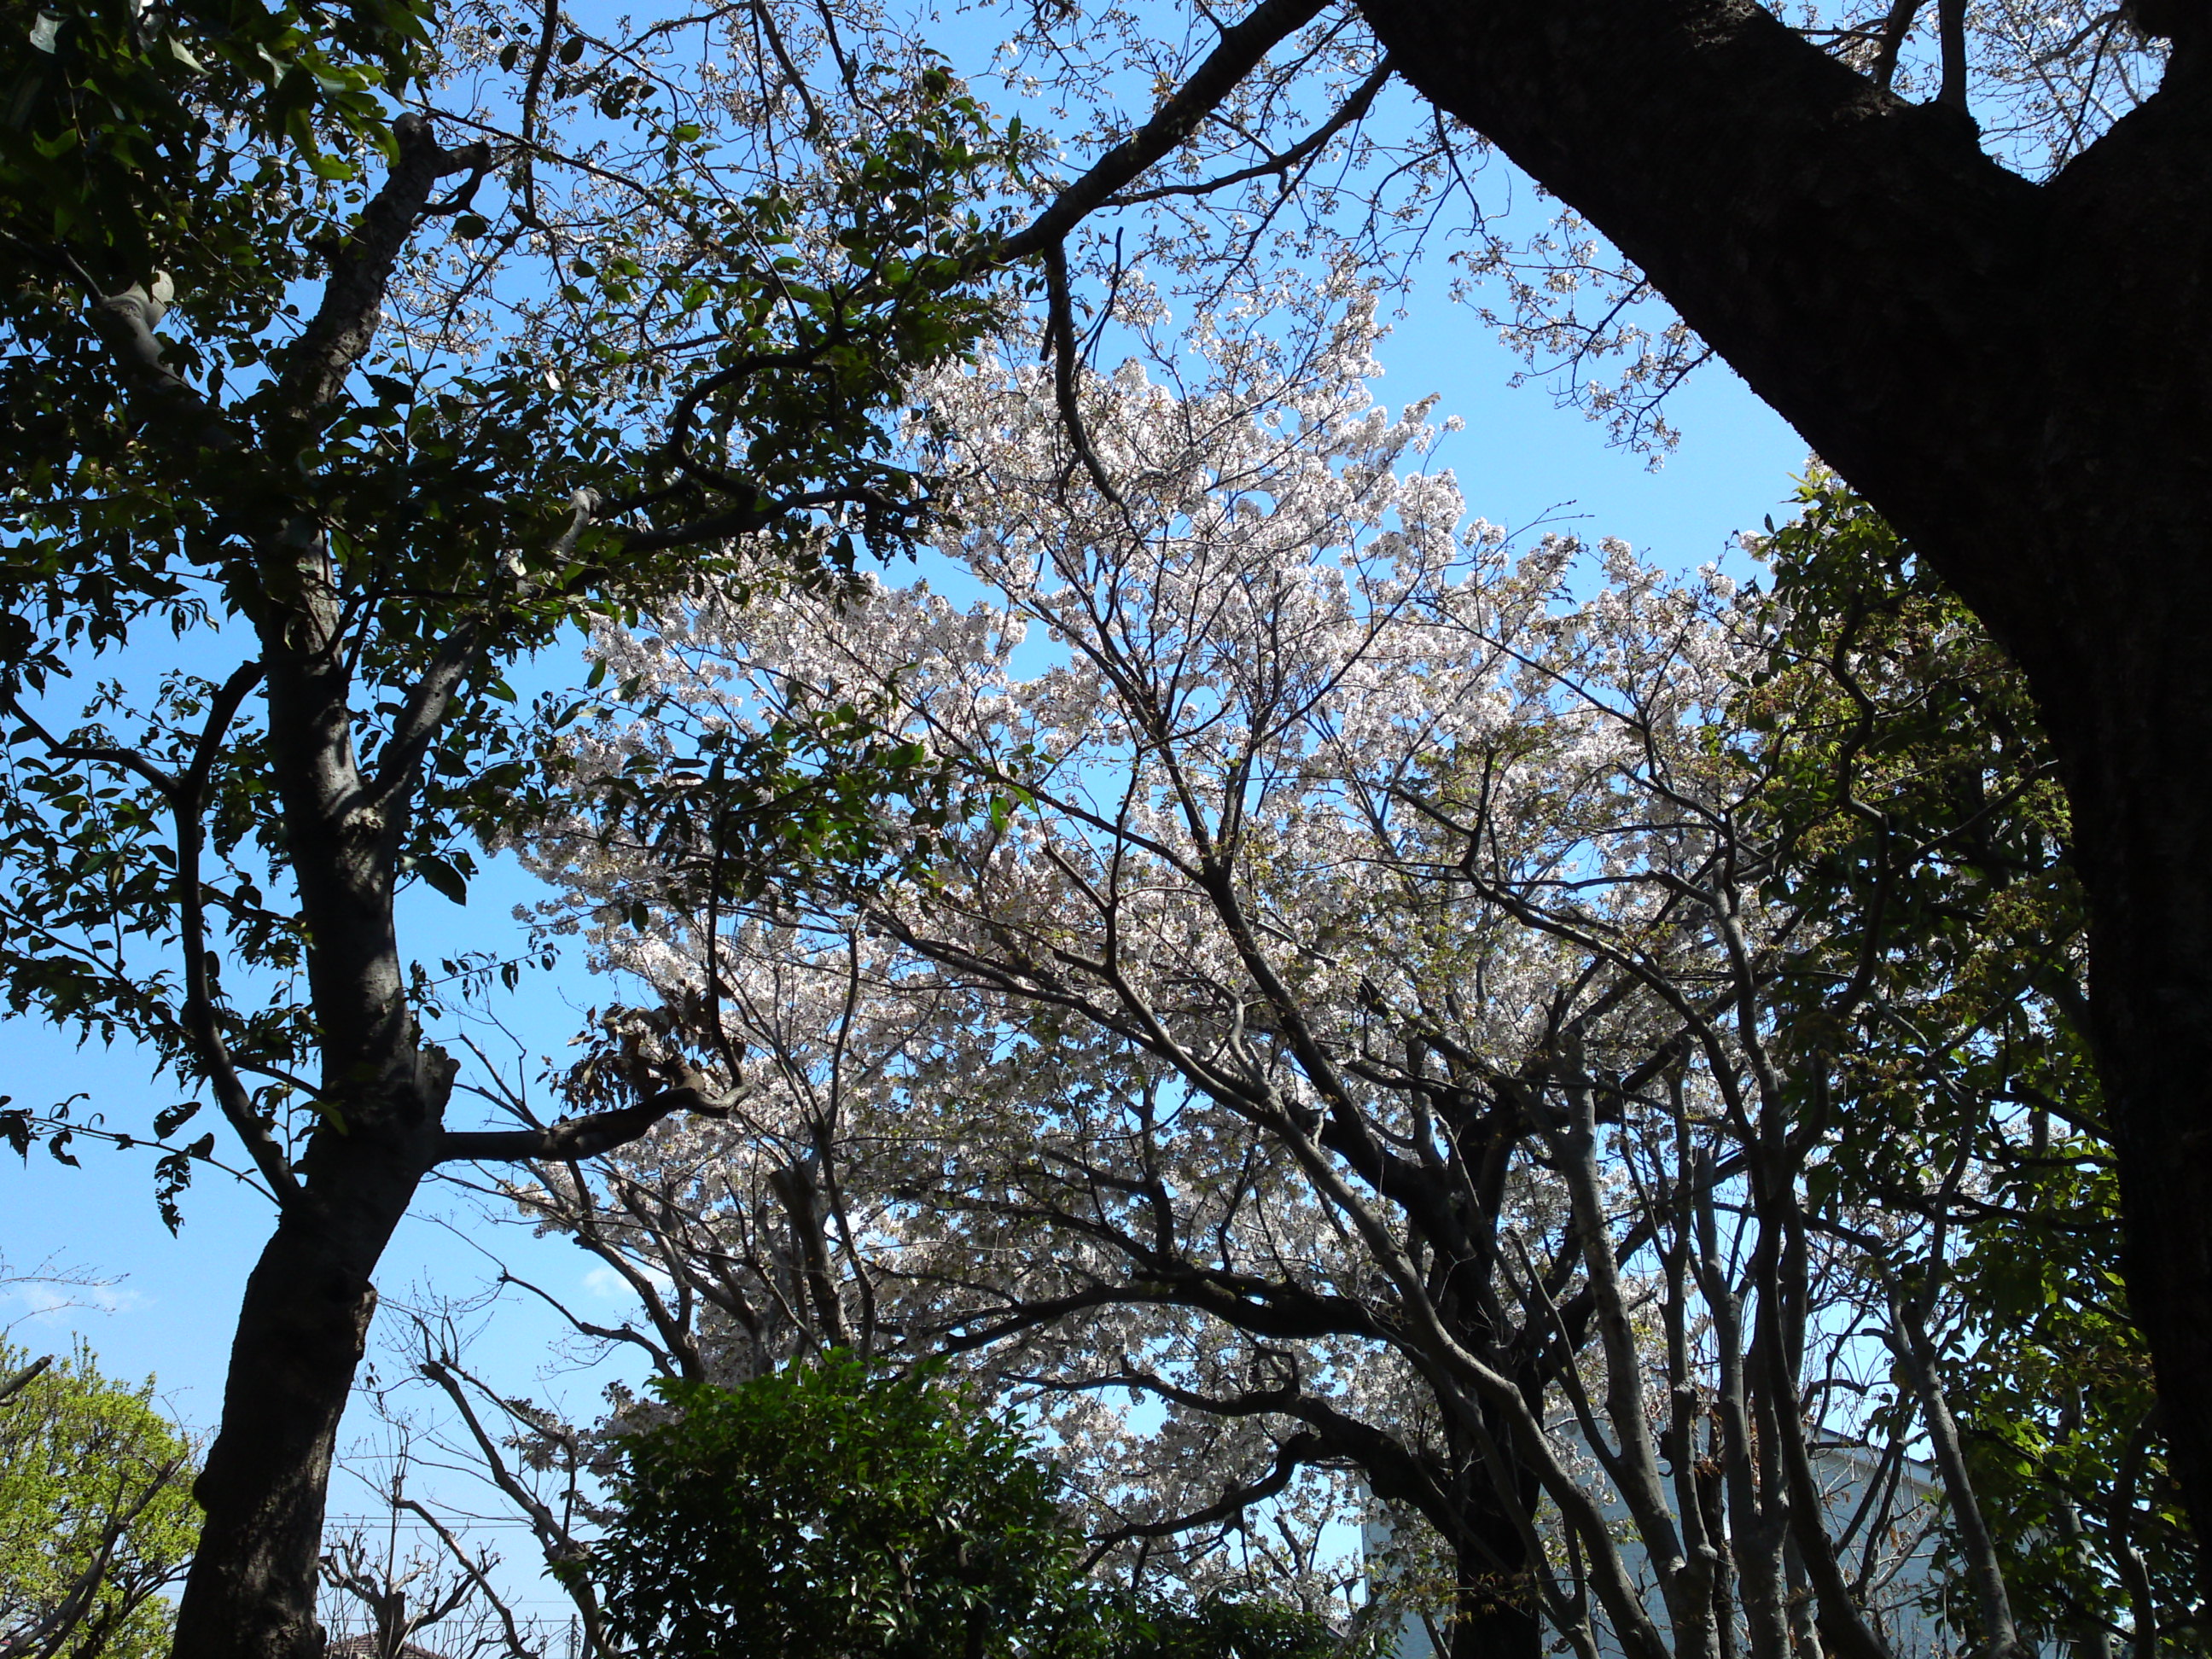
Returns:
(442, 877)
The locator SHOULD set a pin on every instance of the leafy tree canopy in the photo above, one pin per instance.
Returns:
(283, 419)
(96, 1514)
(819, 1512)
(823, 1512)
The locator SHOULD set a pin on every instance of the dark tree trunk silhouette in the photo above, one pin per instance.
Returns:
(2019, 375)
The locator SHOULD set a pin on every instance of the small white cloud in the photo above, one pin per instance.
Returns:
(606, 1282)
(52, 1304)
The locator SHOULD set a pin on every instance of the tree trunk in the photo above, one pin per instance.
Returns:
(1495, 1616)
(300, 1335)
(2020, 377)
(2142, 789)
(251, 1591)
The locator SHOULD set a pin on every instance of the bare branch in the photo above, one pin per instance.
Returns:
(517, 1649)
(1350, 111)
(574, 1139)
(1240, 50)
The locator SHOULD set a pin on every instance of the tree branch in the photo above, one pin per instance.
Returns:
(184, 420)
(1916, 1355)
(1352, 109)
(1894, 28)
(558, 1544)
(317, 364)
(515, 1645)
(1291, 1455)
(1951, 38)
(202, 1029)
(17, 1381)
(124, 760)
(574, 1139)
(1242, 47)
(1059, 341)
(425, 708)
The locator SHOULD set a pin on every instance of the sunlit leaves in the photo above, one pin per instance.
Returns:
(1921, 823)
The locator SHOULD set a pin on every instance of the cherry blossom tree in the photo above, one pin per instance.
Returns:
(1358, 1003)
(1897, 222)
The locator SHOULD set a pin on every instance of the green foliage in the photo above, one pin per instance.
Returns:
(1919, 820)
(78, 1454)
(1921, 829)
(1222, 1627)
(144, 138)
(821, 1512)
(721, 379)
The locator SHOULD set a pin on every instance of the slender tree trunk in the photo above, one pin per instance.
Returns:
(300, 1335)
(382, 1091)
(301, 1331)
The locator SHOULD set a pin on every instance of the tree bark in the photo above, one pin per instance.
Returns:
(1496, 1614)
(300, 1335)
(2019, 375)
